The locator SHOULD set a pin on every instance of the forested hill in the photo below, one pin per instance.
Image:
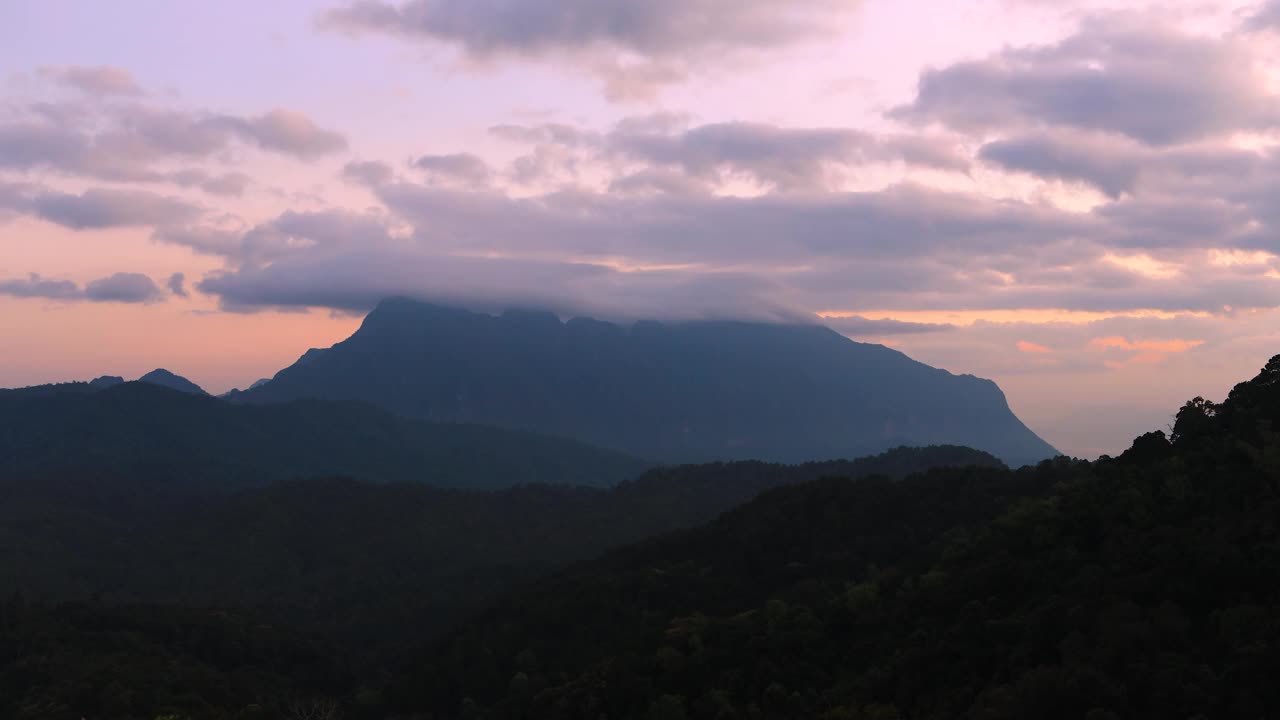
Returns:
(681, 392)
(1138, 586)
(321, 585)
(185, 441)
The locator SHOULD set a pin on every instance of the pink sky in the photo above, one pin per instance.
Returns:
(1073, 199)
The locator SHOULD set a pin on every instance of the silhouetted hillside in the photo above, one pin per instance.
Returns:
(1136, 586)
(372, 569)
(91, 661)
(138, 431)
(1140, 586)
(164, 378)
(681, 392)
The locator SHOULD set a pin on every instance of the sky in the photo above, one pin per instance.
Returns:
(1076, 199)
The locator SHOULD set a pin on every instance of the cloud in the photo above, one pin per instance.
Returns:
(902, 248)
(370, 173)
(787, 158)
(124, 287)
(204, 240)
(648, 151)
(288, 132)
(100, 80)
(34, 286)
(230, 184)
(288, 234)
(1025, 346)
(99, 208)
(634, 45)
(1144, 352)
(1110, 163)
(356, 279)
(876, 246)
(1266, 16)
(1118, 74)
(1159, 346)
(649, 28)
(177, 284)
(140, 143)
(554, 133)
(462, 168)
(859, 326)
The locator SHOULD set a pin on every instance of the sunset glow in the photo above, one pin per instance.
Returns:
(180, 187)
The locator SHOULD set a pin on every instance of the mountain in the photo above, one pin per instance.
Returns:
(105, 381)
(164, 378)
(682, 392)
(181, 441)
(374, 569)
(1137, 586)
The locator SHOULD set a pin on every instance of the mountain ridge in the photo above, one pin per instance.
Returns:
(139, 429)
(679, 392)
(173, 381)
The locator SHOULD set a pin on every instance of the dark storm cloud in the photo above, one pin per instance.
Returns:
(1135, 77)
(123, 287)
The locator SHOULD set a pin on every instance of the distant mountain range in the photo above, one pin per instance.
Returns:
(684, 392)
(185, 439)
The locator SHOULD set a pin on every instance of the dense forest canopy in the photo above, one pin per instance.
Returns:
(368, 570)
(1139, 586)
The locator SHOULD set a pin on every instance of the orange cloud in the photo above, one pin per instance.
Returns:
(1030, 347)
(1150, 346)
(1146, 352)
(1037, 316)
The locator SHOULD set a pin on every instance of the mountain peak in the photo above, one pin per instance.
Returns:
(675, 392)
(164, 378)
